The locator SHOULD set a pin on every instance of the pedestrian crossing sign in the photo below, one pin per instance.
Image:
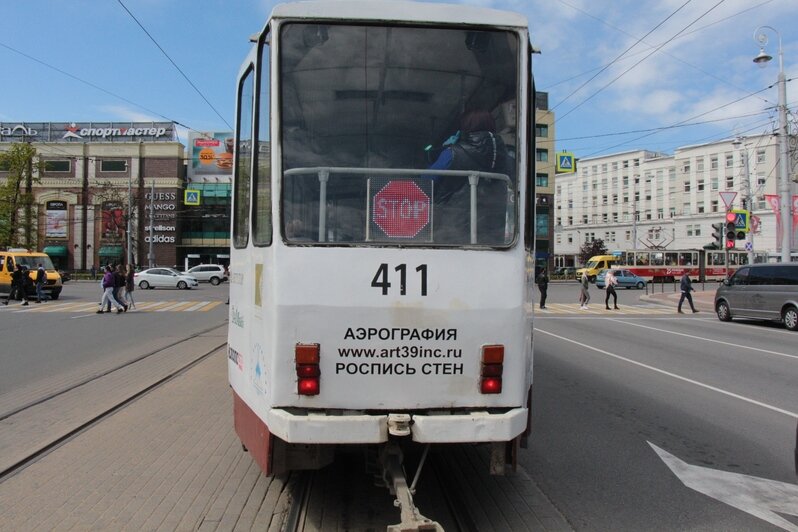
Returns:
(742, 220)
(191, 197)
(566, 164)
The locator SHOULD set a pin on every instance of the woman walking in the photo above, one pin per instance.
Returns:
(108, 292)
(584, 294)
(130, 285)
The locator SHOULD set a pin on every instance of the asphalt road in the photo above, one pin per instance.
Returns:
(719, 395)
(43, 342)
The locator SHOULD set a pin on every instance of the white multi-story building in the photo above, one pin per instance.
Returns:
(643, 199)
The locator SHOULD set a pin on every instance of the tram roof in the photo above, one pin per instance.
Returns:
(402, 11)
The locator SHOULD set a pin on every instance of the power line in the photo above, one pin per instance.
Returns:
(655, 50)
(618, 57)
(174, 64)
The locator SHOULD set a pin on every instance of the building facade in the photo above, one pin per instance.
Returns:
(544, 182)
(645, 200)
(90, 178)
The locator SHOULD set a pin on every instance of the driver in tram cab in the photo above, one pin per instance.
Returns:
(476, 146)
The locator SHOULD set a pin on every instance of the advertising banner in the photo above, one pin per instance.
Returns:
(56, 219)
(87, 131)
(113, 220)
(211, 154)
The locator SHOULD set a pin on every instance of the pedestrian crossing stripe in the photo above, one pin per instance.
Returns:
(93, 306)
(573, 308)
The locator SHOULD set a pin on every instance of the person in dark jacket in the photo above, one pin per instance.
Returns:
(475, 147)
(108, 292)
(686, 287)
(543, 286)
(130, 285)
(41, 280)
(18, 278)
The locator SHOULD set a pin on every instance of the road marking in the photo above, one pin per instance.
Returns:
(197, 306)
(757, 496)
(675, 376)
(210, 306)
(709, 340)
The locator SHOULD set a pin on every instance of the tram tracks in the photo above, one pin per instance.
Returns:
(455, 490)
(46, 422)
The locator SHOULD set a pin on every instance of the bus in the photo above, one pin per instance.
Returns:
(381, 262)
(668, 265)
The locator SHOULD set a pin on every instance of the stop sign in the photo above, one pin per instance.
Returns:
(401, 209)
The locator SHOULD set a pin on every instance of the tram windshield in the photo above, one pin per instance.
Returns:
(402, 135)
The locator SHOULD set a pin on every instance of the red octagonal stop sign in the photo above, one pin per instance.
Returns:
(401, 209)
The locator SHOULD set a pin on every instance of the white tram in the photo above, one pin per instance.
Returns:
(380, 286)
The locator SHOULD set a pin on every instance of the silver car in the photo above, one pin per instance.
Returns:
(163, 278)
(760, 291)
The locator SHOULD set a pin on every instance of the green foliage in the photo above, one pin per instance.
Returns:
(17, 219)
(589, 249)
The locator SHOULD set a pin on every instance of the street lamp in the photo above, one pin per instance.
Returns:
(784, 179)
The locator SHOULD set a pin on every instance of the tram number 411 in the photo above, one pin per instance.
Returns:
(381, 278)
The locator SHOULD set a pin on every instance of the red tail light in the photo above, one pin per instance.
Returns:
(306, 357)
(491, 369)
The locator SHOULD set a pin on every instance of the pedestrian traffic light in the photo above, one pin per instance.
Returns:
(717, 234)
(730, 244)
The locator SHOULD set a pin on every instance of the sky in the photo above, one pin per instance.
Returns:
(621, 74)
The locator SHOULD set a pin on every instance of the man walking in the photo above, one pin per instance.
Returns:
(584, 293)
(18, 286)
(686, 287)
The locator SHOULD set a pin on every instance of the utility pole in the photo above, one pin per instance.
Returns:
(747, 199)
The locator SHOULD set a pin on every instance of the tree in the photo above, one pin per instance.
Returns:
(17, 228)
(590, 249)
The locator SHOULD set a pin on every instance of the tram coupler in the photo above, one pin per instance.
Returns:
(393, 474)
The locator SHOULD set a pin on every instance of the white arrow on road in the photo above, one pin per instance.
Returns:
(757, 496)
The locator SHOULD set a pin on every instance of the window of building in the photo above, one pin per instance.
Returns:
(760, 156)
(615, 199)
(714, 205)
(604, 199)
(713, 162)
(542, 155)
(760, 179)
(541, 180)
(570, 220)
(729, 160)
(625, 197)
(686, 209)
(584, 218)
(699, 164)
(700, 207)
(686, 167)
(57, 165)
(700, 184)
(729, 182)
(672, 212)
(713, 183)
(615, 165)
(113, 165)
(541, 130)
(687, 186)
(660, 214)
(628, 235)
(570, 238)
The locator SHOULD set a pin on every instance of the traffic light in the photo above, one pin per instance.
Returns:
(731, 229)
(740, 235)
(717, 234)
(730, 244)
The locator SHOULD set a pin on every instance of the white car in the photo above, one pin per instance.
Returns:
(212, 273)
(164, 278)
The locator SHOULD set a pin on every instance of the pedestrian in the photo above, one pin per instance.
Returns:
(18, 291)
(543, 285)
(119, 284)
(41, 280)
(93, 272)
(108, 292)
(18, 286)
(584, 294)
(686, 287)
(609, 286)
(130, 285)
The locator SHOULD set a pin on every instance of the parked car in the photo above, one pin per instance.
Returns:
(760, 291)
(163, 278)
(626, 279)
(211, 273)
(565, 271)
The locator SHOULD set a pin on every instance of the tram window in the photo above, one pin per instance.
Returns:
(244, 157)
(671, 259)
(685, 259)
(657, 259)
(354, 98)
(262, 198)
(641, 258)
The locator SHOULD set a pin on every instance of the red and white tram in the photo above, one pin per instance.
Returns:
(669, 265)
(380, 288)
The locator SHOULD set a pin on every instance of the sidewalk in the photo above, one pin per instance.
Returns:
(169, 461)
